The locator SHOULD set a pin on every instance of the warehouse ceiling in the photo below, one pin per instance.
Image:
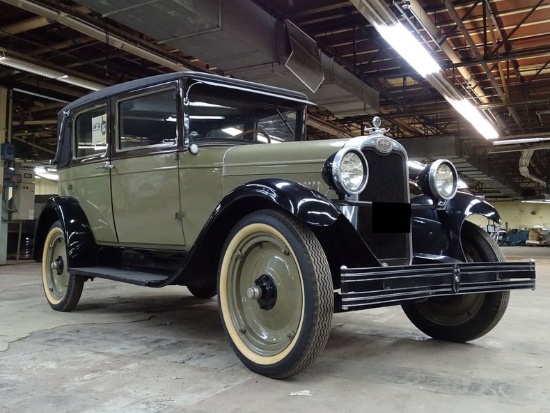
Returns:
(495, 53)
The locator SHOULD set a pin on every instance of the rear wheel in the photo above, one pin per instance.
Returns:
(463, 318)
(203, 291)
(275, 294)
(62, 289)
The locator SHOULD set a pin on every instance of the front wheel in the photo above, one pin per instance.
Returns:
(275, 294)
(466, 317)
(62, 289)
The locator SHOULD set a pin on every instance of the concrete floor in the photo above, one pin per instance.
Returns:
(132, 349)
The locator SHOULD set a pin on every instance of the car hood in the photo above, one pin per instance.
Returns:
(300, 162)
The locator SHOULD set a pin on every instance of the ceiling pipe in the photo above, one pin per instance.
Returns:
(99, 33)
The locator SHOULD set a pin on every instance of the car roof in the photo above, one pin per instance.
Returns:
(205, 77)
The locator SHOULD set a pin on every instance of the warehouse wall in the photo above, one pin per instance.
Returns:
(519, 215)
(45, 186)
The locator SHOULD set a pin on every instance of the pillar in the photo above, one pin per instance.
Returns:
(4, 134)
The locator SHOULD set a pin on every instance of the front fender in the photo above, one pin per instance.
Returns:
(333, 230)
(306, 204)
(437, 232)
(81, 248)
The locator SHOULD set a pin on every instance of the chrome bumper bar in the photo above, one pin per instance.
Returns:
(363, 288)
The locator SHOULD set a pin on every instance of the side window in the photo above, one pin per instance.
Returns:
(148, 120)
(218, 114)
(90, 130)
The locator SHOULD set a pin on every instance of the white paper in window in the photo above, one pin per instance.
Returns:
(99, 130)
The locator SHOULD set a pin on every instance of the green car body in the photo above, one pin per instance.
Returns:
(209, 182)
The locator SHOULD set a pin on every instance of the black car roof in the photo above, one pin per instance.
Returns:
(207, 77)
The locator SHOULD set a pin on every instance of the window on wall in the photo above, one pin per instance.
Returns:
(148, 121)
(91, 133)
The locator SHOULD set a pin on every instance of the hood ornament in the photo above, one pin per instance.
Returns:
(376, 129)
(383, 144)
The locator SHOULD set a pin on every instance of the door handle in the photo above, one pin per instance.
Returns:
(105, 165)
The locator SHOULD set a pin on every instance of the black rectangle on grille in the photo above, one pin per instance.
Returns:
(387, 183)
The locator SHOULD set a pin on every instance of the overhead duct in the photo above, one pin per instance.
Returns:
(524, 161)
(305, 60)
(255, 48)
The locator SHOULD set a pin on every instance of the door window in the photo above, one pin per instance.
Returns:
(148, 121)
(91, 133)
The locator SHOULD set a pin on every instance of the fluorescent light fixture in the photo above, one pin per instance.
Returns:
(518, 141)
(27, 92)
(409, 48)
(537, 201)
(75, 81)
(46, 173)
(49, 73)
(206, 117)
(474, 116)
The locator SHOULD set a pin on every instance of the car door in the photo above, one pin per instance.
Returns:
(144, 174)
(88, 177)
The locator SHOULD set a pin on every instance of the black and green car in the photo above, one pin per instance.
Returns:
(209, 182)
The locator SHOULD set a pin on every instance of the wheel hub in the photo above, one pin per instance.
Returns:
(264, 292)
(57, 265)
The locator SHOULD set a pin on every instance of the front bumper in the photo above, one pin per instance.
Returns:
(363, 288)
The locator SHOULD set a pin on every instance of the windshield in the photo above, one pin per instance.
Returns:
(225, 115)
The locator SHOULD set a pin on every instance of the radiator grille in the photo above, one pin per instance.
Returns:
(387, 183)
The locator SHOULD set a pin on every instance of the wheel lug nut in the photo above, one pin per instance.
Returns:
(254, 293)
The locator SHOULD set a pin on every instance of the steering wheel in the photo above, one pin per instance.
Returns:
(249, 131)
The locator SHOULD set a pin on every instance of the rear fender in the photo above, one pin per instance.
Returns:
(81, 247)
(437, 232)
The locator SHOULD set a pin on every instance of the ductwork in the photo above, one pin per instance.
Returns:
(524, 161)
(243, 40)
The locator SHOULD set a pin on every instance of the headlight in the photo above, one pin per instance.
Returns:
(346, 171)
(438, 180)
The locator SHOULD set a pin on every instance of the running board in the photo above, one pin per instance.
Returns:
(145, 279)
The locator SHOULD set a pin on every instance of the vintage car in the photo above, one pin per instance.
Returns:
(209, 182)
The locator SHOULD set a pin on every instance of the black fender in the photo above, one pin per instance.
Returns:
(81, 247)
(437, 231)
(336, 234)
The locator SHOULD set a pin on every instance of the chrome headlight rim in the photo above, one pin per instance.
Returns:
(337, 178)
(432, 172)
